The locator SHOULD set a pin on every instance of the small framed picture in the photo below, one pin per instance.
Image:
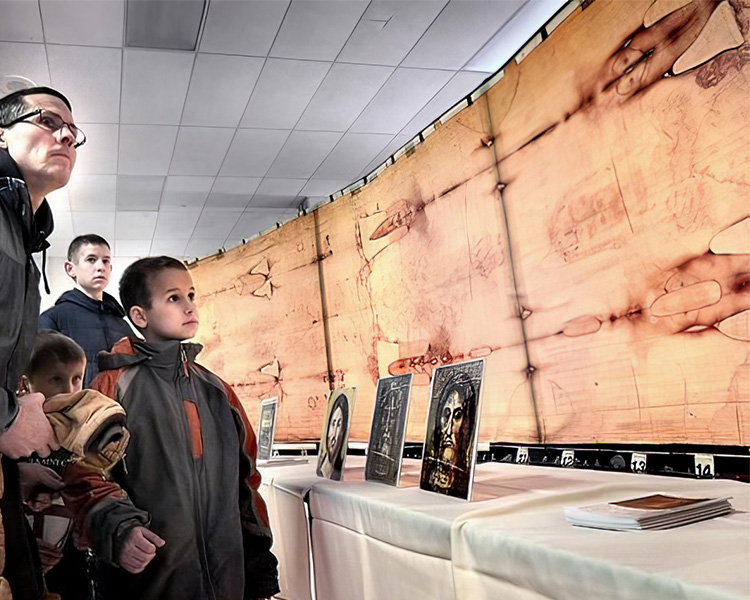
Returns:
(334, 438)
(386, 445)
(266, 428)
(450, 448)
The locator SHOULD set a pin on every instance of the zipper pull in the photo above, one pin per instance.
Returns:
(183, 355)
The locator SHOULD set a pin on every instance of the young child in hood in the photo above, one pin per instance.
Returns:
(180, 517)
(88, 314)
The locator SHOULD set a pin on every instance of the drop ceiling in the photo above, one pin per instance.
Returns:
(282, 103)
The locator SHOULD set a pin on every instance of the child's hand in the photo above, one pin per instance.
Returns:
(34, 476)
(139, 549)
(49, 554)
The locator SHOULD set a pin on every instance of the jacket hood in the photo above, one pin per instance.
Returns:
(77, 297)
(128, 352)
(36, 226)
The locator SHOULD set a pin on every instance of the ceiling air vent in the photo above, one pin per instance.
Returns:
(167, 24)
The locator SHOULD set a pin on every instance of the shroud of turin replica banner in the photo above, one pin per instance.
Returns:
(584, 226)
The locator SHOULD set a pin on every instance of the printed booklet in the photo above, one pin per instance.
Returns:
(658, 511)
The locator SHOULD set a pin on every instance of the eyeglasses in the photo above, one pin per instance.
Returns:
(52, 122)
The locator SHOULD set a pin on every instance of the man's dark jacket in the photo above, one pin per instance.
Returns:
(189, 475)
(95, 325)
(22, 232)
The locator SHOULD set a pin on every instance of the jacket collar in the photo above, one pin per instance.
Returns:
(37, 226)
(128, 352)
(108, 304)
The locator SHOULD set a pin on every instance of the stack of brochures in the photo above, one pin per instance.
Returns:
(657, 511)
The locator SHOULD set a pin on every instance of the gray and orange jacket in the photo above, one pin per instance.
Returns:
(189, 475)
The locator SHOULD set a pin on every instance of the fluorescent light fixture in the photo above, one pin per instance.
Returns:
(505, 44)
(165, 24)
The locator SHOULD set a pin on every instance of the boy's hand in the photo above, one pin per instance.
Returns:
(30, 432)
(139, 549)
(34, 476)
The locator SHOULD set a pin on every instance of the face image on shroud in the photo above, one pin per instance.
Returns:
(333, 441)
(386, 444)
(265, 431)
(451, 429)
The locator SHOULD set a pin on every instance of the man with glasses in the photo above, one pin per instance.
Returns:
(38, 142)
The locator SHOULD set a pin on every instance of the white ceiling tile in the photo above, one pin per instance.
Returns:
(460, 86)
(459, 32)
(513, 35)
(27, 60)
(343, 95)
(21, 22)
(176, 225)
(405, 93)
(99, 222)
(83, 22)
(185, 192)
(324, 187)
(215, 224)
(352, 154)
(219, 89)
(247, 28)
(99, 154)
(274, 201)
(232, 192)
(388, 30)
(252, 222)
(284, 89)
(90, 78)
(317, 29)
(161, 247)
(253, 151)
(146, 149)
(397, 142)
(154, 86)
(139, 192)
(200, 150)
(201, 248)
(303, 153)
(92, 192)
(281, 187)
(59, 200)
(138, 248)
(135, 225)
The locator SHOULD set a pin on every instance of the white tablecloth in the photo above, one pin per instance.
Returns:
(372, 541)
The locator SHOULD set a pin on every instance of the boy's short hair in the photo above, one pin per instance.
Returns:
(50, 346)
(82, 240)
(135, 282)
(14, 104)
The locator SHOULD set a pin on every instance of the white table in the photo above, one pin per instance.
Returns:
(373, 541)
